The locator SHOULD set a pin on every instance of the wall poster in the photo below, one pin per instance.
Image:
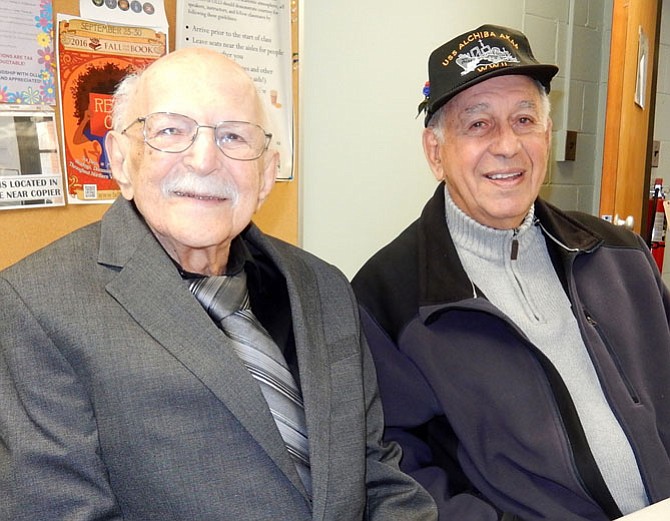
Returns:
(92, 58)
(26, 56)
(257, 35)
(30, 174)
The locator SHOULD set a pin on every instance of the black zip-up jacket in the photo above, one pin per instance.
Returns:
(484, 419)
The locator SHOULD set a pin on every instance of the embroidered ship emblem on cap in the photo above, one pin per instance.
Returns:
(481, 54)
(484, 53)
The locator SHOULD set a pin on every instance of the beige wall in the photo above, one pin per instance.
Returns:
(364, 65)
(662, 120)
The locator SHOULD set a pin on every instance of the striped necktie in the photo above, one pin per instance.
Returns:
(227, 301)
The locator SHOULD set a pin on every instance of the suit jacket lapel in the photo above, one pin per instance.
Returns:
(315, 379)
(151, 290)
(312, 354)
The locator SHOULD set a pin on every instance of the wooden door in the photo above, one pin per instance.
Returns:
(628, 126)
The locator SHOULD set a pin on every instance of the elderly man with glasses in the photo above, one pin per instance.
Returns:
(172, 362)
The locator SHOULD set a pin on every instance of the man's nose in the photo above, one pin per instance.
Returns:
(506, 142)
(204, 153)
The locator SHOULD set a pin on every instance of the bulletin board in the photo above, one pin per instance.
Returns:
(26, 230)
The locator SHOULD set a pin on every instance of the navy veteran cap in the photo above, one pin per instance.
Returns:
(475, 56)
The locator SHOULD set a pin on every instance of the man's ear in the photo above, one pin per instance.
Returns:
(118, 150)
(550, 126)
(268, 175)
(432, 149)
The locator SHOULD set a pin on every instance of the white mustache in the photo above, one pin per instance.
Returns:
(200, 186)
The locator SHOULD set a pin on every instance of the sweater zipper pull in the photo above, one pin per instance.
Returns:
(515, 246)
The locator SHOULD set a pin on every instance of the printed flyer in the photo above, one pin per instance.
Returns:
(26, 59)
(30, 174)
(92, 58)
(257, 35)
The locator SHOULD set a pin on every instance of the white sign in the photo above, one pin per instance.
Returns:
(257, 35)
(30, 173)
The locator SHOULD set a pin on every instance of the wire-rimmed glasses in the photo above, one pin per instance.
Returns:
(171, 132)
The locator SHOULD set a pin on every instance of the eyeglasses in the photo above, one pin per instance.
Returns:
(169, 132)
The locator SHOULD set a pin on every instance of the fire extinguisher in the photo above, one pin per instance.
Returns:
(657, 223)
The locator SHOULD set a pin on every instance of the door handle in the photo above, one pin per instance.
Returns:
(628, 222)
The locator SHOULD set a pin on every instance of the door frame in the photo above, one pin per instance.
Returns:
(629, 130)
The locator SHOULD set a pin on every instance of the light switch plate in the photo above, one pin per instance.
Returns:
(571, 145)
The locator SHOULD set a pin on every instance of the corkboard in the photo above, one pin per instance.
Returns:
(24, 231)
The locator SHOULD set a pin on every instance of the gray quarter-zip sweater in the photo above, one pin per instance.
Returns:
(524, 286)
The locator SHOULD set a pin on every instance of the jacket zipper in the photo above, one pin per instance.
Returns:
(514, 255)
(550, 375)
(550, 369)
(515, 245)
(629, 386)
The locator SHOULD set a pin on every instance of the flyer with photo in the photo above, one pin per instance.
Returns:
(30, 174)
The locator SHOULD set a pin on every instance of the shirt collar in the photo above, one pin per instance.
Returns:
(239, 258)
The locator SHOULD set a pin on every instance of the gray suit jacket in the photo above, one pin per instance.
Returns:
(119, 399)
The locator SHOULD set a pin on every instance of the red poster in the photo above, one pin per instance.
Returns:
(92, 59)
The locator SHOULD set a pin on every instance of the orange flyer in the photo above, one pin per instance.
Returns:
(93, 57)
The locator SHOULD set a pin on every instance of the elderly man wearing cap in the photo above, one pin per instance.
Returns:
(523, 353)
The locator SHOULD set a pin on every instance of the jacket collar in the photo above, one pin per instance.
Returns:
(443, 279)
(565, 231)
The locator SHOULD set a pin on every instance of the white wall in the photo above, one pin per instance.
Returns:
(662, 119)
(579, 93)
(363, 66)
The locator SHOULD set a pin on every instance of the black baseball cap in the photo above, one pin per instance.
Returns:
(475, 56)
